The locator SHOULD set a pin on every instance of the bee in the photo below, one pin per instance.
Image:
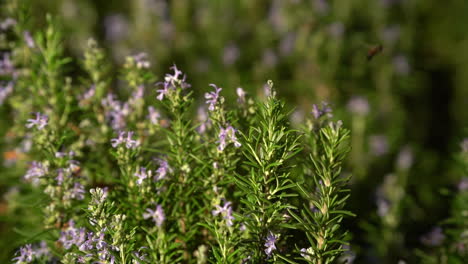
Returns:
(374, 51)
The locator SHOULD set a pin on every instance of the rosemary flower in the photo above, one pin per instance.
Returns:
(434, 238)
(6, 65)
(153, 115)
(40, 121)
(72, 236)
(7, 23)
(202, 117)
(25, 254)
(358, 105)
(35, 171)
(227, 135)
(378, 145)
(318, 111)
(29, 39)
(5, 91)
(141, 60)
(270, 243)
(157, 215)
(212, 97)
(225, 211)
(163, 169)
(142, 174)
(127, 140)
(170, 82)
(240, 95)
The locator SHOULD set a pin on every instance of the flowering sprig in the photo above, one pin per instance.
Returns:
(213, 97)
(170, 84)
(126, 141)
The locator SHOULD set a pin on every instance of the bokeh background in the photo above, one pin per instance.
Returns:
(406, 106)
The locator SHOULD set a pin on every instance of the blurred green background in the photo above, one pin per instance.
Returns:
(409, 99)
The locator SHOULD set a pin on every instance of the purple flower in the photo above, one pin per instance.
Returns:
(6, 65)
(383, 206)
(162, 92)
(378, 145)
(202, 117)
(87, 95)
(140, 255)
(35, 171)
(77, 192)
(240, 95)
(142, 174)
(405, 158)
(141, 60)
(40, 122)
(464, 145)
(225, 211)
(170, 83)
(433, 238)
(7, 23)
(116, 27)
(128, 141)
(88, 242)
(176, 78)
(100, 242)
(212, 97)
(29, 39)
(157, 215)
(116, 111)
(227, 135)
(358, 105)
(163, 169)
(42, 250)
(72, 236)
(153, 115)
(270, 243)
(24, 255)
(286, 46)
(306, 253)
(230, 54)
(318, 111)
(5, 91)
(463, 184)
(401, 65)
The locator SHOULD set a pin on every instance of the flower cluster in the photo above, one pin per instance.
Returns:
(36, 171)
(125, 140)
(170, 83)
(270, 241)
(116, 111)
(28, 253)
